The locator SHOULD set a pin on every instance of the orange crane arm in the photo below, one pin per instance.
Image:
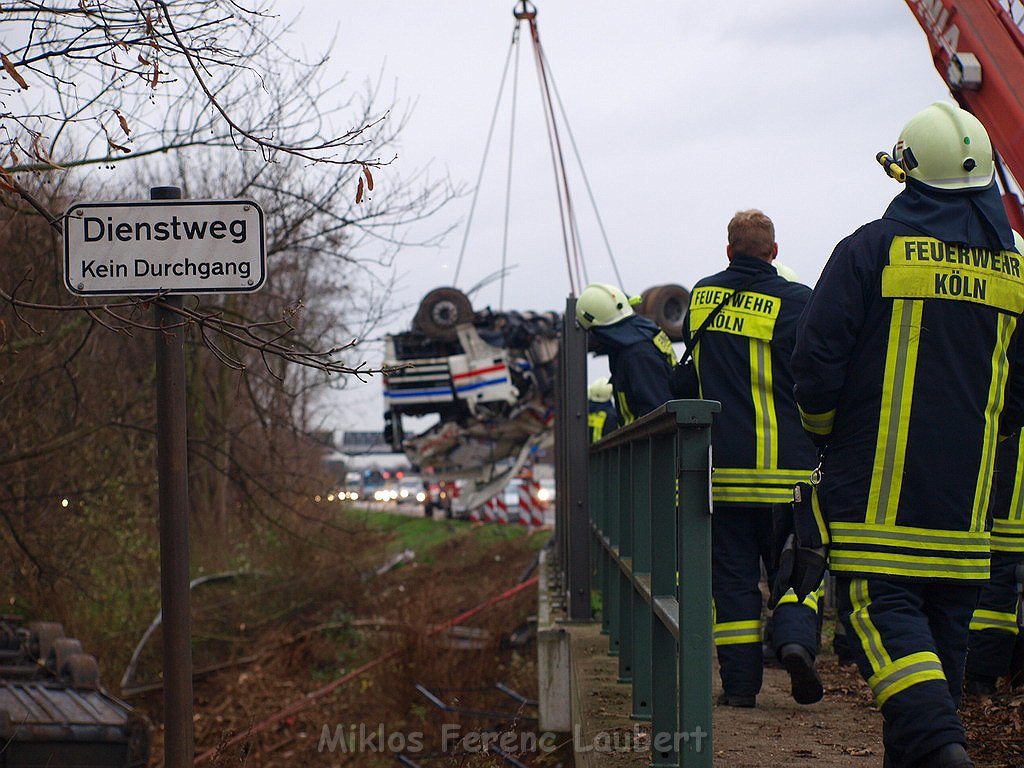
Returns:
(978, 48)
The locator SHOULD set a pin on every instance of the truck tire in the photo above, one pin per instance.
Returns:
(441, 311)
(63, 648)
(666, 305)
(82, 671)
(41, 637)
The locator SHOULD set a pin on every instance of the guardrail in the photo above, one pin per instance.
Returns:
(650, 518)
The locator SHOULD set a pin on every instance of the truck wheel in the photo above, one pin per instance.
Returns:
(441, 311)
(63, 648)
(666, 305)
(41, 637)
(82, 670)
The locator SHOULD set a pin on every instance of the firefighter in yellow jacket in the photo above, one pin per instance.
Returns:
(908, 370)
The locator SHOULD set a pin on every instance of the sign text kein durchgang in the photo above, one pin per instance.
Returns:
(184, 246)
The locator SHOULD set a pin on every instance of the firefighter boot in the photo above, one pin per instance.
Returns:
(806, 685)
(946, 756)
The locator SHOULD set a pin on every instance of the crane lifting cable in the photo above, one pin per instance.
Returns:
(526, 12)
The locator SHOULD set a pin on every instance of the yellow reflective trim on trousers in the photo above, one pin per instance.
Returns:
(762, 392)
(894, 415)
(1000, 371)
(864, 628)
(903, 673)
(738, 632)
(995, 620)
(891, 564)
(817, 423)
(624, 411)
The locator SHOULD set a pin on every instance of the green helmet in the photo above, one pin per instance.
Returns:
(600, 390)
(787, 272)
(602, 304)
(946, 147)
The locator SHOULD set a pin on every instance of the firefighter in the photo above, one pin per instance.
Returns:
(907, 369)
(640, 355)
(741, 325)
(601, 416)
(994, 623)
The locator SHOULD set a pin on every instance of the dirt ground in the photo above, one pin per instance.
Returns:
(843, 730)
(296, 657)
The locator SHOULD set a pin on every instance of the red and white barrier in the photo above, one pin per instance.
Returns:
(531, 508)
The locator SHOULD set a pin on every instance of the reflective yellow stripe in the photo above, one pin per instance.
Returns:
(903, 673)
(817, 423)
(894, 415)
(926, 268)
(811, 601)
(755, 486)
(1008, 535)
(1000, 371)
(745, 314)
(910, 537)
(996, 620)
(864, 628)
(762, 392)
(664, 345)
(596, 420)
(627, 415)
(738, 632)
(819, 518)
(915, 566)
(1016, 510)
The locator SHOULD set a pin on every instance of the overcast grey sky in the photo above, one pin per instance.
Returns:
(683, 113)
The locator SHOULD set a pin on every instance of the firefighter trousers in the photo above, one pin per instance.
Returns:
(994, 624)
(742, 538)
(909, 639)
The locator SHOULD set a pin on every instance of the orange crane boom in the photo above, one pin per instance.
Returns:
(978, 48)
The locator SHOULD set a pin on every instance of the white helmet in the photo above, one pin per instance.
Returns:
(1018, 242)
(786, 272)
(946, 147)
(602, 304)
(600, 390)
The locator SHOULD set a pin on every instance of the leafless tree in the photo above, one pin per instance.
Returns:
(100, 82)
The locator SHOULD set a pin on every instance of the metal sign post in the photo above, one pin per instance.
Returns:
(167, 246)
(172, 467)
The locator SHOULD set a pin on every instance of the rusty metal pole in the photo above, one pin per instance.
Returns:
(172, 467)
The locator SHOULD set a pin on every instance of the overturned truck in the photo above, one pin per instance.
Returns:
(490, 378)
(53, 710)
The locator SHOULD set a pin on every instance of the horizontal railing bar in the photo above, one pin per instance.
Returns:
(662, 420)
(667, 611)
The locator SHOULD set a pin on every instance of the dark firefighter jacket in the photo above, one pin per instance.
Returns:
(1008, 498)
(907, 365)
(742, 360)
(601, 419)
(640, 357)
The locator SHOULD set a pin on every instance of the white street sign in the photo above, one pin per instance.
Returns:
(164, 246)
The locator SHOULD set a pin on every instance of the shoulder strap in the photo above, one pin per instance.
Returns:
(695, 336)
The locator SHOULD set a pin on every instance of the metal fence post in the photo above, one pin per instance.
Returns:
(576, 446)
(693, 456)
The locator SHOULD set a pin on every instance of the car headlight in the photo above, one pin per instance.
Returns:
(421, 496)
(544, 494)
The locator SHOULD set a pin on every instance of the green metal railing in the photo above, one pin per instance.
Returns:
(650, 517)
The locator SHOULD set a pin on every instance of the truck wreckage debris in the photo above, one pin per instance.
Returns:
(490, 377)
